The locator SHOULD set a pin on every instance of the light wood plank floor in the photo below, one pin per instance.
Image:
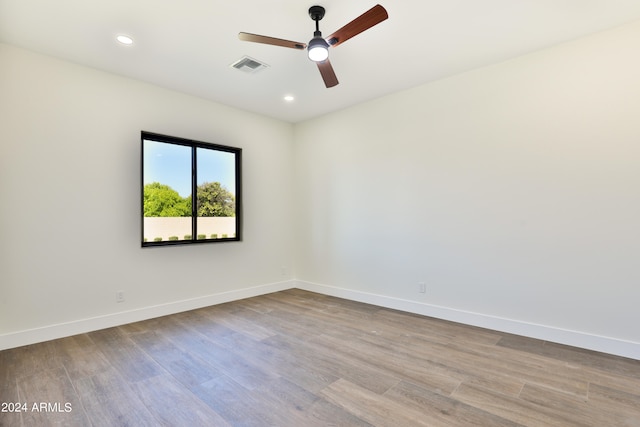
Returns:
(296, 358)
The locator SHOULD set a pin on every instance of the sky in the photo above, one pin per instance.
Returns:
(170, 164)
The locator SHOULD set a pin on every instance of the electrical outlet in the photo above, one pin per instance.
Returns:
(422, 287)
(120, 296)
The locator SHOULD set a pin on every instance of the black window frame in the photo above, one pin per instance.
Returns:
(193, 144)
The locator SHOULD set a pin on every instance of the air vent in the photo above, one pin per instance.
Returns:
(249, 65)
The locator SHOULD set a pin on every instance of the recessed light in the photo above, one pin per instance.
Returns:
(126, 40)
(289, 98)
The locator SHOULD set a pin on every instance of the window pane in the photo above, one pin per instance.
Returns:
(190, 191)
(216, 195)
(167, 191)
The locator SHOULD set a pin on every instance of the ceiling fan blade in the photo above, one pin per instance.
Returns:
(248, 37)
(372, 17)
(328, 75)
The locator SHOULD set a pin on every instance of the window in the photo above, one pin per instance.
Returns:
(191, 191)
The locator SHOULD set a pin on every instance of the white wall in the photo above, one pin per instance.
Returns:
(70, 201)
(513, 191)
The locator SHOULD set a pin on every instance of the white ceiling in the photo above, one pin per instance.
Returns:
(188, 45)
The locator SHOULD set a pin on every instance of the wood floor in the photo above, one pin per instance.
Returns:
(296, 358)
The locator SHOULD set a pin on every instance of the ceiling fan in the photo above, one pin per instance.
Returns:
(318, 47)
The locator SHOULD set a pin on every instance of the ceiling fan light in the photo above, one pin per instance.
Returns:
(318, 49)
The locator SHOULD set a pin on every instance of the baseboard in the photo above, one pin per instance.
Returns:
(562, 336)
(61, 330)
(547, 333)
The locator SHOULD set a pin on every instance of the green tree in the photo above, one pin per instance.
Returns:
(215, 200)
(162, 200)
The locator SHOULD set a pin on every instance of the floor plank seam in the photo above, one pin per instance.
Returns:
(75, 390)
(521, 388)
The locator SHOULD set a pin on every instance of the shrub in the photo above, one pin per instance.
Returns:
(214, 236)
(173, 237)
(157, 239)
(202, 236)
(187, 237)
(224, 236)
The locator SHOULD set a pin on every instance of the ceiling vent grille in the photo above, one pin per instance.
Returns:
(249, 65)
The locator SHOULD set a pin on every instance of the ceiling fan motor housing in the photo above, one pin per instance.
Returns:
(317, 46)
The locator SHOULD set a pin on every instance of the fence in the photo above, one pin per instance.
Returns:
(165, 227)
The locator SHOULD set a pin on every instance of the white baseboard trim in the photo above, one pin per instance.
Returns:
(587, 341)
(61, 330)
(547, 333)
